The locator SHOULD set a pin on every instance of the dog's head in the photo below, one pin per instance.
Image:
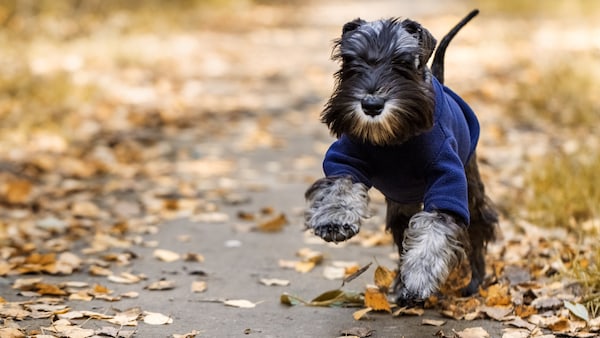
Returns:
(383, 92)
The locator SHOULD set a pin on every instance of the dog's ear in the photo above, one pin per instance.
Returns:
(352, 25)
(426, 41)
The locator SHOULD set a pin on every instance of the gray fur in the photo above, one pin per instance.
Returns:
(433, 244)
(337, 208)
(384, 96)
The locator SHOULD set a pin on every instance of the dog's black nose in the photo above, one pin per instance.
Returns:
(372, 105)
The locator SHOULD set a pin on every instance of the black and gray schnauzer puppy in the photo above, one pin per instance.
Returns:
(403, 132)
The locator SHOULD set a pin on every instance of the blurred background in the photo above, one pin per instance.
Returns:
(136, 100)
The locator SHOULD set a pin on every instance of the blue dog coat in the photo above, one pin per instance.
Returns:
(427, 168)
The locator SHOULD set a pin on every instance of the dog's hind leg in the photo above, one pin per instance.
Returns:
(484, 219)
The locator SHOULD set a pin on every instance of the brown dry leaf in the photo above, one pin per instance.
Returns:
(130, 294)
(357, 315)
(310, 255)
(166, 255)
(100, 289)
(49, 290)
(496, 313)
(433, 322)
(13, 310)
(384, 278)
(472, 332)
(161, 285)
(520, 323)
(96, 270)
(64, 328)
(16, 191)
(11, 332)
(82, 295)
(496, 295)
(273, 224)
(412, 311)
(125, 278)
(376, 299)
(199, 286)
(524, 311)
(193, 257)
(305, 267)
(155, 318)
(128, 317)
(85, 209)
(26, 283)
(459, 278)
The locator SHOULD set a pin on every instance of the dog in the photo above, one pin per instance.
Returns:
(400, 130)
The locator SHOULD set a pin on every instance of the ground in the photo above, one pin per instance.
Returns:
(152, 167)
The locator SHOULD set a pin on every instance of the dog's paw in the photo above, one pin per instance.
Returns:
(336, 232)
(406, 298)
(433, 245)
(337, 208)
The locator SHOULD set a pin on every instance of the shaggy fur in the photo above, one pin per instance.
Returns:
(384, 97)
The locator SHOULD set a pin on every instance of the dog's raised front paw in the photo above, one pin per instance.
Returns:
(337, 208)
(336, 232)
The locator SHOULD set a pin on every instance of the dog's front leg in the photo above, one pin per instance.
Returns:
(337, 208)
(433, 245)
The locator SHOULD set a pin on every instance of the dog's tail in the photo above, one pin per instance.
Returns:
(437, 66)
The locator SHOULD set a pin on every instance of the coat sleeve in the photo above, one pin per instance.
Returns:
(346, 158)
(447, 183)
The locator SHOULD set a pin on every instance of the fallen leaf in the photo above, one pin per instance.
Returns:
(274, 282)
(376, 299)
(310, 255)
(337, 298)
(155, 318)
(274, 224)
(356, 274)
(240, 303)
(578, 310)
(11, 332)
(304, 267)
(433, 322)
(357, 315)
(198, 286)
(193, 257)
(472, 332)
(411, 311)
(384, 278)
(333, 272)
(496, 313)
(360, 332)
(128, 317)
(166, 255)
(496, 295)
(161, 285)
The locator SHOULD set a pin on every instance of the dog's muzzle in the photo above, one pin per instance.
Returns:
(372, 105)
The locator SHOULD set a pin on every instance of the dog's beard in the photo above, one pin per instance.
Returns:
(400, 120)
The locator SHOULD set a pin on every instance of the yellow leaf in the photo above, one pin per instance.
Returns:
(361, 313)
(273, 224)
(384, 278)
(376, 299)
